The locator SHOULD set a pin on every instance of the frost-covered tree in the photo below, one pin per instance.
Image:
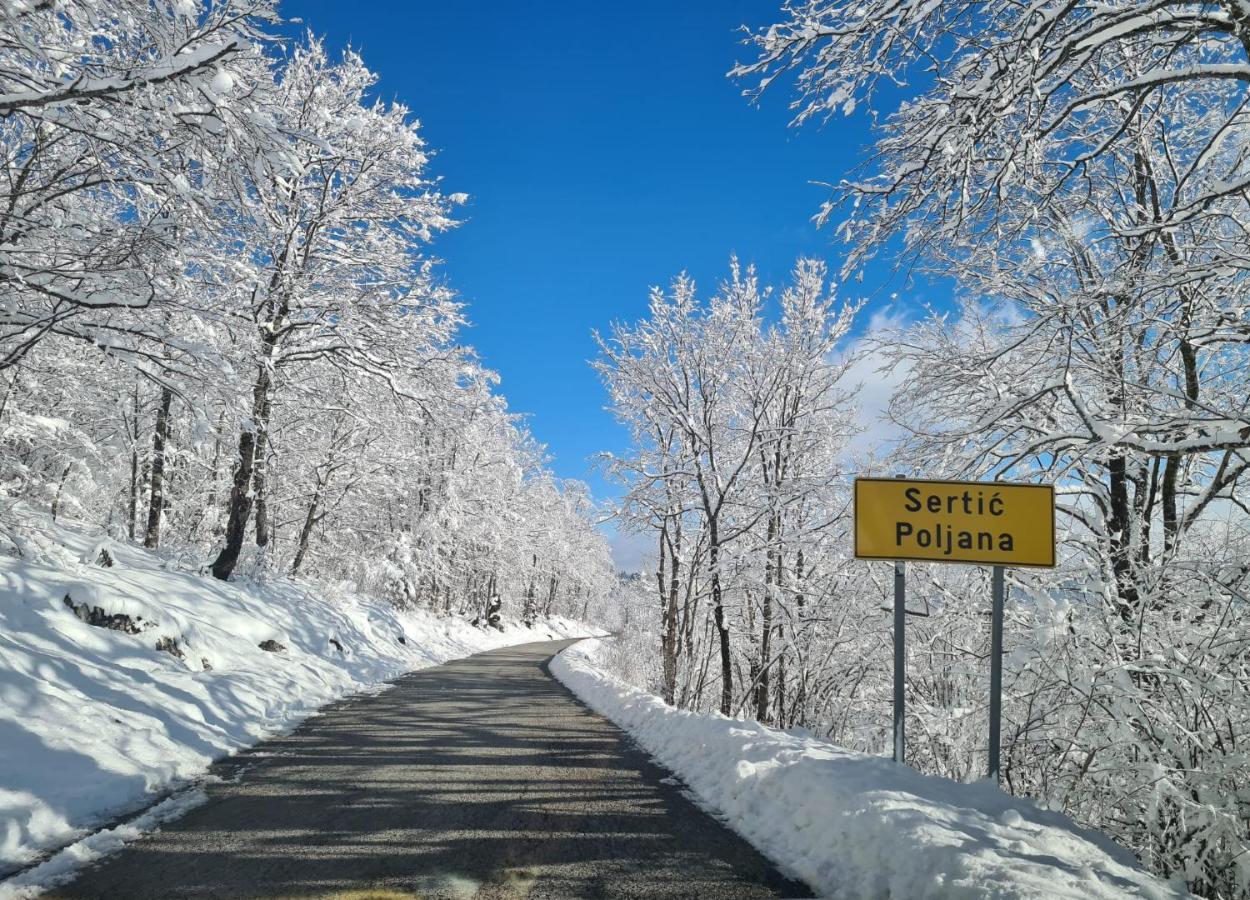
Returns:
(333, 223)
(104, 110)
(737, 426)
(220, 332)
(1081, 172)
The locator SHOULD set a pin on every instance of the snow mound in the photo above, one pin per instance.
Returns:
(98, 723)
(855, 826)
(63, 865)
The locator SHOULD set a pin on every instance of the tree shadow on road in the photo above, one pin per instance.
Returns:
(481, 778)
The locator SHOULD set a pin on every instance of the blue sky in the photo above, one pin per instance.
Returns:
(604, 151)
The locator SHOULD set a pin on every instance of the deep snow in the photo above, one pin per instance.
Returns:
(858, 826)
(96, 724)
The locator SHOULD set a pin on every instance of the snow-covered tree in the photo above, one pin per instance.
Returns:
(221, 333)
(1081, 172)
(333, 224)
(737, 426)
(105, 110)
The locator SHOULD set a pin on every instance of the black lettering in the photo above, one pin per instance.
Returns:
(901, 530)
(985, 540)
(965, 540)
(1004, 543)
(934, 503)
(996, 501)
(913, 496)
(967, 503)
(924, 538)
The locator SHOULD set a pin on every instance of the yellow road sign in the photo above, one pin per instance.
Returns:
(988, 522)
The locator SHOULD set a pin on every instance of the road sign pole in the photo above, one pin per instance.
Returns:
(996, 669)
(988, 523)
(900, 657)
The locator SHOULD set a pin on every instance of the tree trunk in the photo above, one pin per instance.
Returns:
(722, 629)
(212, 484)
(134, 464)
(9, 385)
(529, 611)
(668, 611)
(241, 487)
(800, 690)
(781, 680)
(56, 499)
(490, 592)
(1120, 533)
(674, 624)
(156, 501)
(259, 482)
(552, 586)
(772, 568)
(306, 532)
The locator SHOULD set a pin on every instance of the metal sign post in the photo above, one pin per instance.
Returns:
(992, 523)
(996, 668)
(900, 659)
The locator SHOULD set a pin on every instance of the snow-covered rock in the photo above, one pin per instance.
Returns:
(858, 826)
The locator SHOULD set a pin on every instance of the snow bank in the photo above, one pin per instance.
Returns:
(858, 826)
(95, 723)
(63, 865)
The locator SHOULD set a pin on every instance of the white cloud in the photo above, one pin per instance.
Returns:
(631, 552)
(876, 387)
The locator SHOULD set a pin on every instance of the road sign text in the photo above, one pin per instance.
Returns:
(994, 523)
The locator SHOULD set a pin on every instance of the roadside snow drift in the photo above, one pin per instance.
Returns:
(857, 826)
(95, 723)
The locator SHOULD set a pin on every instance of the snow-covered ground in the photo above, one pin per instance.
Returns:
(858, 826)
(96, 723)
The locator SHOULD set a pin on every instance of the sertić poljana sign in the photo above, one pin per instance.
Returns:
(993, 523)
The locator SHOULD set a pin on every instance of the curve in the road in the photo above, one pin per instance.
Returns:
(480, 778)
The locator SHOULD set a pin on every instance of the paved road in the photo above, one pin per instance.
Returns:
(481, 778)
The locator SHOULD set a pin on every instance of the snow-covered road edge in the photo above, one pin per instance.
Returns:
(94, 839)
(52, 866)
(63, 866)
(855, 826)
(99, 728)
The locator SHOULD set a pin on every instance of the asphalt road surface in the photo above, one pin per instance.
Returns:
(482, 778)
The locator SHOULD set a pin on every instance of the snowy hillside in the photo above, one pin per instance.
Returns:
(853, 825)
(96, 722)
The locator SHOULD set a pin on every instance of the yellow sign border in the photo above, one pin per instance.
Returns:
(965, 562)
